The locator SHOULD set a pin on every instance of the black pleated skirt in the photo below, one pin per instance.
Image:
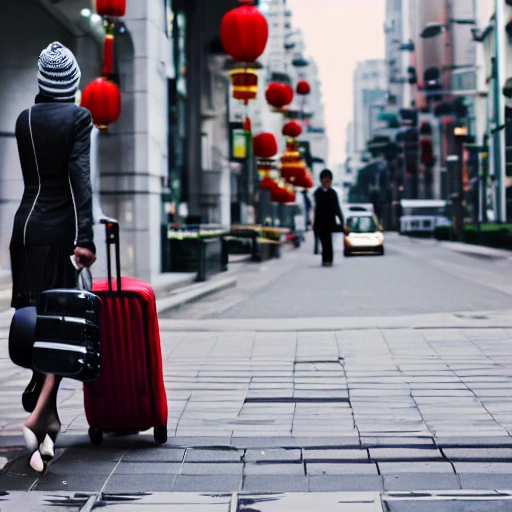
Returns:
(36, 269)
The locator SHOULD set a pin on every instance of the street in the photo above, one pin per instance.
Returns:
(416, 276)
(403, 402)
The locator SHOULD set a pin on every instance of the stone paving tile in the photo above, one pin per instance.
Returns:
(154, 454)
(483, 467)
(273, 455)
(201, 469)
(498, 481)
(405, 454)
(39, 501)
(420, 482)
(393, 468)
(87, 467)
(436, 505)
(486, 441)
(478, 454)
(204, 455)
(215, 483)
(147, 468)
(346, 483)
(295, 468)
(301, 502)
(196, 442)
(13, 482)
(405, 442)
(321, 469)
(126, 484)
(190, 501)
(275, 483)
(296, 442)
(76, 483)
(335, 455)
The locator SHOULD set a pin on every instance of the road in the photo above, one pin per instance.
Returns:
(416, 276)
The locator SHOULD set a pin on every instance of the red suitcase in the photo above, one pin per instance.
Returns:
(130, 393)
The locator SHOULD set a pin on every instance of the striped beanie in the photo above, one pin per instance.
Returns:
(59, 74)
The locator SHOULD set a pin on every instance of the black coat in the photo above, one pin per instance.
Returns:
(55, 213)
(327, 208)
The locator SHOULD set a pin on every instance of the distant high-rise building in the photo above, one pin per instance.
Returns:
(370, 90)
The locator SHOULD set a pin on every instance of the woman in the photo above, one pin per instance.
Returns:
(54, 222)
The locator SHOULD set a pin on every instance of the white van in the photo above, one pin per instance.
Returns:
(422, 216)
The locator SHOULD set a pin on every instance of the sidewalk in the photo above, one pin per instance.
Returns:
(260, 412)
(172, 289)
(478, 250)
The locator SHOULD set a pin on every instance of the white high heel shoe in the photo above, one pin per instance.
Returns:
(47, 448)
(31, 442)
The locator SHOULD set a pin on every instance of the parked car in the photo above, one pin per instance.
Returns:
(363, 234)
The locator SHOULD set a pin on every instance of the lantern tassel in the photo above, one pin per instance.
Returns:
(108, 62)
(247, 125)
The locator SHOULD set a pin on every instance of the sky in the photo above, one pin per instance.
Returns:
(338, 34)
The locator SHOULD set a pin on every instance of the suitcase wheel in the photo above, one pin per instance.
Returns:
(96, 435)
(161, 434)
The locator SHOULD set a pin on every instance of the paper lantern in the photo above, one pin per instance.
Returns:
(111, 7)
(279, 95)
(103, 99)
(245, 84)
(293, 167)
(268, 184)
(292, 129)
(303, 88)
(244, 32)
(265, 145)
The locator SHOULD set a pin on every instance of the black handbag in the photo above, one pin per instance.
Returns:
(67, 334)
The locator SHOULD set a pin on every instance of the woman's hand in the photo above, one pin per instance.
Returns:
(84, 257)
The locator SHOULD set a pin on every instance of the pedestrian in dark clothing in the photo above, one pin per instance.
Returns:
(327, 208)
(54, 221)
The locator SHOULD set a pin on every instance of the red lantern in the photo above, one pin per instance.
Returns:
(111, 7)
(305, 182)
(293, 167)
(303, 88)
(279, 194)
(103, 99)
(268, 184)
(245, 85)
(294, 173)
(244, 32)
(265, 145)
(292, 129)
(279, 95)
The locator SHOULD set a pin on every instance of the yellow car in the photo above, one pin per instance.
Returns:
(363, 234)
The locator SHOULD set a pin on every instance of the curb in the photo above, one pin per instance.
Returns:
(190, 293)
(178, 297)
(478, 251)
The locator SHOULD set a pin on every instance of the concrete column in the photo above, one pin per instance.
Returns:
(133, 154)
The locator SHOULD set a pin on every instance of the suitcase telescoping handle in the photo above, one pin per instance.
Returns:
(112, 237)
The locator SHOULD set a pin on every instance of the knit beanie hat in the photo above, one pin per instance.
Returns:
(59, 74)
